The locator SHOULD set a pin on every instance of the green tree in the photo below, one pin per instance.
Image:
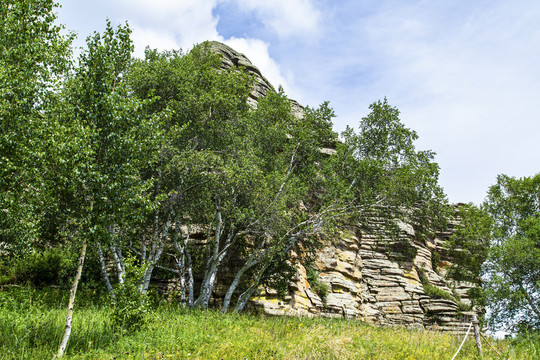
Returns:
(388, 176)
(101, 188)
(34, 57)
(238, 174)
(201, 157)
(513, 265)
(470, 242)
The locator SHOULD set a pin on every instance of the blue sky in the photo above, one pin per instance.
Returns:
(464, 74)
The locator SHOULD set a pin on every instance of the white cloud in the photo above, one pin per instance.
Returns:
(168, 24)
(177, 23)
(286, 17)
(173, 24)
(155, 39)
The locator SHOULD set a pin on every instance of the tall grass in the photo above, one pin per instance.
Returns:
(31, 325)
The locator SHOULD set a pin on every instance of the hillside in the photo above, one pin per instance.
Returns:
(31, 328)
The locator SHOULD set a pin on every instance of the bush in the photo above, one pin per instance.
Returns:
(437, 293)
(316, 284)
(435, 260)
(130, 305)
(43, 268)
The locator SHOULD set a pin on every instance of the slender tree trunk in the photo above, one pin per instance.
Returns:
(119, 261)
(104, 273)
(232, 288)
(185, 267)
(246, 295)
(71, 303)
(181, 265)
(147, 277)
(210, 273)
(155, 254)
(243, 299)
(190, 279)
(254, 259)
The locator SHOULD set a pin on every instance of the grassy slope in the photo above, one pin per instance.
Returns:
(31, 325)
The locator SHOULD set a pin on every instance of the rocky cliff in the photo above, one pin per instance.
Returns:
(365, 277)
(231, 57)
(365, 274)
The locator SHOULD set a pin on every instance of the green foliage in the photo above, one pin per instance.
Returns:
(423, 276)
(401, 249)
(513, 265)
(435, 260)
(316, 284)
(238, 172)
(48, 267)
(116, 140)
(469, 244)
(33, 58)
(131, 305)
(438, 293)
(278, 275)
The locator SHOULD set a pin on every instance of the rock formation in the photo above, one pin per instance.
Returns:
(368, 280)
(231, 57)
(363, 274)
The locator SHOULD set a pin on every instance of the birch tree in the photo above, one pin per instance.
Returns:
(101, 186)
(34, 57)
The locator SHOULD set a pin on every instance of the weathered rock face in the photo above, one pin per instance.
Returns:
(231, 57)
(364, 272)
(369, 282)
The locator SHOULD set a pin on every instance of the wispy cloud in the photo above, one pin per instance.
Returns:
(287, 18)
(465, 79)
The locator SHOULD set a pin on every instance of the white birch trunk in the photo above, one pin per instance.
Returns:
(158, 245)
(190, 280)
(69, 317)
(104, 273)
(210, 274)
(253, 260)
(119, 262)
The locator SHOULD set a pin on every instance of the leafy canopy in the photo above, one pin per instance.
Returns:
(513, 265)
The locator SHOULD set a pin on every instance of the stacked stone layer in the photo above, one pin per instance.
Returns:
(368, 282)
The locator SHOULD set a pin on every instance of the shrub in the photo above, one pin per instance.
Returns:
(316, 284)
(42, 268)
(422, 275)
(438, 293)
(435, 260)
(130, 306)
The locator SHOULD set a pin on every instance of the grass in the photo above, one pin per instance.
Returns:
(31, 325)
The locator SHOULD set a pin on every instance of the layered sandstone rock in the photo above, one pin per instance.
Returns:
(231, 57)
(369, 282)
